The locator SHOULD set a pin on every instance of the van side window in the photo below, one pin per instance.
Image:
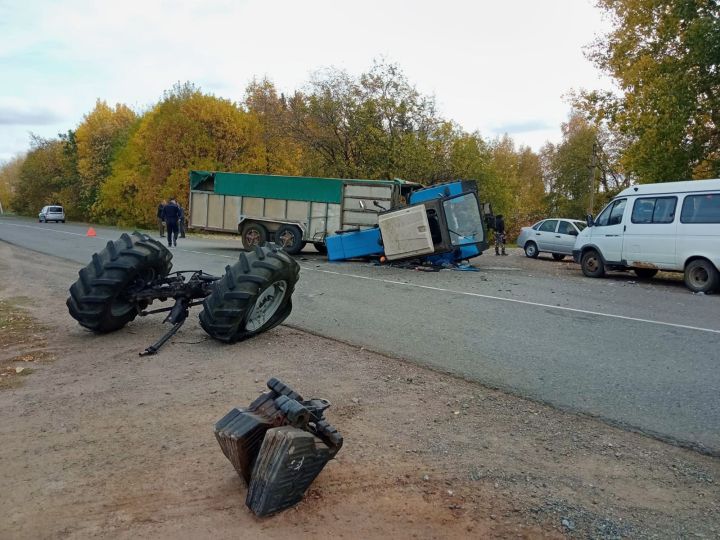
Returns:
(617, 212)
(654, 210)
(701, 208)
(602, 219)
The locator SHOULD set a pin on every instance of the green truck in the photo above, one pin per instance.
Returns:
(289, 210)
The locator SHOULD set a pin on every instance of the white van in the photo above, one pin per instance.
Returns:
(674, 226)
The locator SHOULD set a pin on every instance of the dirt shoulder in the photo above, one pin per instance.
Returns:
(97, 441)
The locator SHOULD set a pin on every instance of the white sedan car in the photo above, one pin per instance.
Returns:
(554, 235)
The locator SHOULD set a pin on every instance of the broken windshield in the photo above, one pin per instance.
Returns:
(463, 219)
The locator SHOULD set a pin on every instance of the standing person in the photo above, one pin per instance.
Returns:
(181, 222)
(160, 222)
(499, 235)
(171, 215)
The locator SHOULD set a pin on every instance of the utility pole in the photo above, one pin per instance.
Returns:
(591, 179)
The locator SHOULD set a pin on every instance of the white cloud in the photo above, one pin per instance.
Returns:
(490, 64)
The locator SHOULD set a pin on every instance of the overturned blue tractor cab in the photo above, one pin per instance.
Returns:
(444, 223)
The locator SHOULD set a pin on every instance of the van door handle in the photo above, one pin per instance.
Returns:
(557, 236)
(611, 235)
(537, 234)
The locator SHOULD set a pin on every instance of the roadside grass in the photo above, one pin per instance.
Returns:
(21, 339)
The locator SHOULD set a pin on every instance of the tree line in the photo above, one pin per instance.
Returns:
(662, 124)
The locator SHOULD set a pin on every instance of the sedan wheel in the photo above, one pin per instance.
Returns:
(531, 250)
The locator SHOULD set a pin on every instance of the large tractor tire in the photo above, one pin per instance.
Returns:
(99, 299)
(252, 297)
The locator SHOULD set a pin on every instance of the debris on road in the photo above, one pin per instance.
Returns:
(278, 445)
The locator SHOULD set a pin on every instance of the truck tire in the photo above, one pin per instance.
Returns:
(254, 234)
(289, 237)
(592, 264)
(701, 276)
(531, 250)
(252, 297)
(98, 298)
(320, 247)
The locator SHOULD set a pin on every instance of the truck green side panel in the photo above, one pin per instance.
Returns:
(297, 188)
(267, 186)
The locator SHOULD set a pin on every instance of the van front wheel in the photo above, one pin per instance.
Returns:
(592, 264)
(701, 276)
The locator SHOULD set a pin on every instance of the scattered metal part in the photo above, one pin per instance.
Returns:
(278, 445)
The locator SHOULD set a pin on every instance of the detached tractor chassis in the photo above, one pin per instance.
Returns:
(122, 280)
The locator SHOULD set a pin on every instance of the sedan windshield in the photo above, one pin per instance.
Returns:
(463, 219)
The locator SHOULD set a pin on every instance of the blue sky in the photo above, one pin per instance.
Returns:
(493, 66)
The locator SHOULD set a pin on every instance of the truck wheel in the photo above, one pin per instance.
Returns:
(252, 297)
(320, 247)
(592, 264)
(289, 237)
(558, 256)
(99, 299)
(701, 276)
(645, 273)
(253, 234)
(531, 250)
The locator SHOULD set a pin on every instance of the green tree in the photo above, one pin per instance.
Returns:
(515, 185)
(280, 153)
(664, 56)
(374, 126)
(186, 130)
(98, 137)
(45, 175)
(579, 172)
(9, 179)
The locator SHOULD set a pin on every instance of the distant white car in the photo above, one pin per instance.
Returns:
(51, 213)
(555, 235)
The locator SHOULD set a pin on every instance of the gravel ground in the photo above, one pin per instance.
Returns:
(98, 442)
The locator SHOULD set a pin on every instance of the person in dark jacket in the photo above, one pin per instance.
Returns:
(160, 222)
(171, 216)
(499, 235)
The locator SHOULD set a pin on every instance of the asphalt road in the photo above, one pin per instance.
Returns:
(645, 355)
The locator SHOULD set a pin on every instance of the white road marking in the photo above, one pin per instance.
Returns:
(515, 301)
(47, 229)
(428, 287)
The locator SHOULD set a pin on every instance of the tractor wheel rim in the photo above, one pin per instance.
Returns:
(699, 276)
(252, 238)
(266, 305)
